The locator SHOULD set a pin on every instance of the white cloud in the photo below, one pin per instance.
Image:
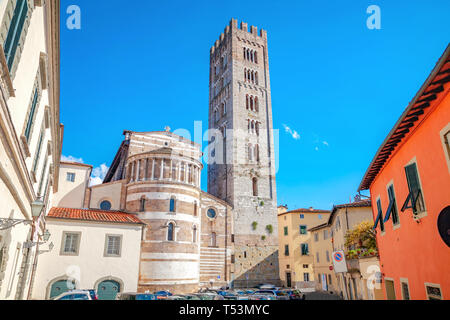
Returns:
(98, 175)
(317, 148)
(295, 135)
(326, 143)
(71, 159)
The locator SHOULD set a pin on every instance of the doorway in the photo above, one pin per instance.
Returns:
(288, 280)
(390, 290)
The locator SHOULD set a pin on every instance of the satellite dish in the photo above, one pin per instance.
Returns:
(444, 225)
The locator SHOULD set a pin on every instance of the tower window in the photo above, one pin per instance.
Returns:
(172, 206)
(171, 232)
(194, 234)
(255, 187)
(213, 239)
(142, 205)
(105, 205)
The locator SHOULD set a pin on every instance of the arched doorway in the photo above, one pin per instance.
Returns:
(61, 286)
(108, 289)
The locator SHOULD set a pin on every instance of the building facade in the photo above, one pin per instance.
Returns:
(241, 159)
(358, 283)
(295, 255)
(90, 249)
(322, 251)
(409, 182)
(30, 135)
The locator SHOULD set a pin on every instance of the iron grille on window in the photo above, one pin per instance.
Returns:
(113, 245)
(71, 243)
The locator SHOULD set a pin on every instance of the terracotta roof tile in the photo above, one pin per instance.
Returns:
(93, 215)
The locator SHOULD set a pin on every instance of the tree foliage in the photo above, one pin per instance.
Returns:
(362, 236)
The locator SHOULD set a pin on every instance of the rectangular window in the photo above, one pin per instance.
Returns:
(15, 31)
(405, 291)
(31, 114)
(70, 177)
(414, 200)
(303, 229)
(305, 249)
(71, 242)
(316, 237)
(325, 234)
(445, 138)
(233, 258)
(329, 279)
(328, 256)
(285, 231)
(38, 151)
(305, 266)
(302, 216)
(379, 217)
(306, 277)
(317, 257)
(113, 246)
(286, 250)
(433, 292)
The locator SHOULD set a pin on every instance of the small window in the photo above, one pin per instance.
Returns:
(285, 231)
(317, 257)
(329, 279)
(213, 239)
(113, 246)
(303, 229)
(325, 234)
(286, 250)
(171, 232)
(172, 204)
(433, 292)
(305, 249)
(405, 291)
(70, 177)
(414, 200)
(288, 266)
(316, 237)
(105, 205)
(305, 266)
(142, 205)
(195, 209)
(211, 213)
(71, 243)
(328, 256)
(302, 216)
(306, 277)
(255, 187)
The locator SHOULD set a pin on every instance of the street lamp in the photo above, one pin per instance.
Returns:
(36, 207)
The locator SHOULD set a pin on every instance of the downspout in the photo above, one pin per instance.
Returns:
(226, 244)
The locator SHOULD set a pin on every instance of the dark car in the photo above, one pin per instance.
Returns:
(136, 296)
(294, 294)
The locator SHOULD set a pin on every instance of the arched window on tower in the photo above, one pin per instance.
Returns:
(256, 77)
(255, 187)
(195, 209)
(257, 152)
(257, 128)
(256, 56)
(250, 152)
(251, 103)
(256, 104)
(172, 205)
(247, 102)
(142, 205)
(171, 232)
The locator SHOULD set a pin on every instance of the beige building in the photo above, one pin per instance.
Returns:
(359, 282)
(73, 183)
(31, 135)
(295, 255)
(322, 251)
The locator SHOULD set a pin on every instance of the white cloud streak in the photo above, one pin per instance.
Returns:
(295, 135)
(71, 159)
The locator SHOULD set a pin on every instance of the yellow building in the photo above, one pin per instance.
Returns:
(295, 258)
(322, 250)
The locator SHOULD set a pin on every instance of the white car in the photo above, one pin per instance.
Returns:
(75, 295)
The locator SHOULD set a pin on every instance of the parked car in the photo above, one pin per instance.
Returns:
(266, 287)
(76, 295)
(136, 296)
(209, 296)
(277, 295)
(163, 293)
(294, 294)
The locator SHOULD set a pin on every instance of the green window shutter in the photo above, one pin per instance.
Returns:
(31, 115)
(15, 31)
(416, 196)
(285, 231)
(412, 178)
(379, 216)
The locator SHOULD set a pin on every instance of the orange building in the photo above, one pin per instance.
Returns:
(409, 182)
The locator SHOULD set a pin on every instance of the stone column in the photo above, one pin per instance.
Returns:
(153, 169)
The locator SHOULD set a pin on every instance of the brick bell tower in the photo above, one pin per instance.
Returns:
(241, 166)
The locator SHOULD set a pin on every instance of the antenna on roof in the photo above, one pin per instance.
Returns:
(167, 128)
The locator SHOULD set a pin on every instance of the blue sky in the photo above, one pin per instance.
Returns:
(143, 65)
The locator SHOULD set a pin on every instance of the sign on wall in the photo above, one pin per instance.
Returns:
(339, 263)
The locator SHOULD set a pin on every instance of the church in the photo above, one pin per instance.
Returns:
(187, 238)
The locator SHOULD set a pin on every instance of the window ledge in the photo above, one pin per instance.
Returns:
(5, 76)
(25, 146)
